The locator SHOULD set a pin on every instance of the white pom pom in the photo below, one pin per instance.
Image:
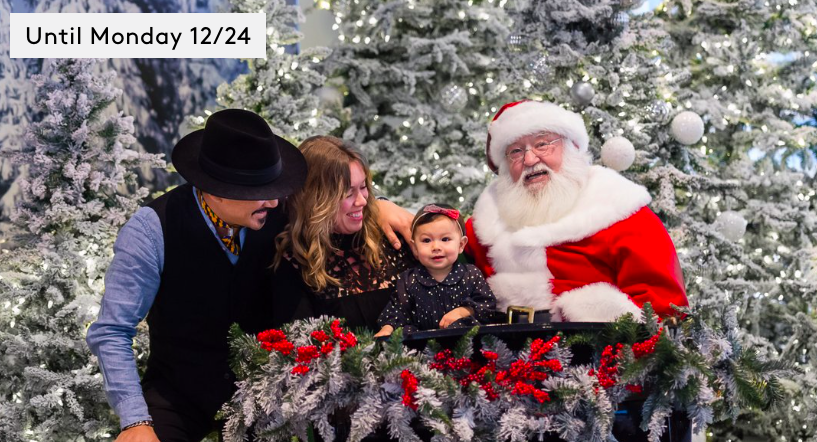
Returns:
(687, 127)
(731, 224)
(618, 153)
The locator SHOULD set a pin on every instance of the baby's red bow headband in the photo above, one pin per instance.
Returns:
(454, 214)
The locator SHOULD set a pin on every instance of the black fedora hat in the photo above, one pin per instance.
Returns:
(236, 156)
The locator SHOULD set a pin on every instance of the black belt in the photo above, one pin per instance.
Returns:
(526, 315)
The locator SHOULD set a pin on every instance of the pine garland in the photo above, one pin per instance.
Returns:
(314, 373)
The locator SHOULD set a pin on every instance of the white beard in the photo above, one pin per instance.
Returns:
(522, 207)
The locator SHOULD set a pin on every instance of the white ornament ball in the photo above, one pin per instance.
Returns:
(453, 98)
(618, 153)
(731, 225)
(582, 93)
(687, 127)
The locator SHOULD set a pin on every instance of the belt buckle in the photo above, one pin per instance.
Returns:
(520, 309)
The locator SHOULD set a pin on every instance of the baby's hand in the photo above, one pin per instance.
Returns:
(453, 316)
(385, 331)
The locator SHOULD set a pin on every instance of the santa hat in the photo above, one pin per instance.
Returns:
(527, 117)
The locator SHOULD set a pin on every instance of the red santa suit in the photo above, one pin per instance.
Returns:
(608, 256)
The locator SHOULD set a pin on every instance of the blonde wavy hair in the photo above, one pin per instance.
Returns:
(312, 211)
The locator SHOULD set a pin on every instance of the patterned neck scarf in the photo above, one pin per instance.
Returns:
(231, 239)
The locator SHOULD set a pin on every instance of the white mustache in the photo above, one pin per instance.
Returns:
(536, 168)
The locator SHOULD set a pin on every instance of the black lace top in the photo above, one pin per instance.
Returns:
(362, 295)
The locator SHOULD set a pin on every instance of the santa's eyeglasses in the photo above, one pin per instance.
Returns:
(540, 148)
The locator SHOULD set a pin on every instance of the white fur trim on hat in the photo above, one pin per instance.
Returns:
(529, 117)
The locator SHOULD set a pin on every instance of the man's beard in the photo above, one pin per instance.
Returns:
(545, 203)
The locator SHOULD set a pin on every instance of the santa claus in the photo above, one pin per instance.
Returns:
(554, 233)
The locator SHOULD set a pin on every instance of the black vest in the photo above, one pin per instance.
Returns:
(201, 294)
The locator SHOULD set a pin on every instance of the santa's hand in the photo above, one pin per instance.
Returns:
(454, 316)
(394, 218)
(385, 331)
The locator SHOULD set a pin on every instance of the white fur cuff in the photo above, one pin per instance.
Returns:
(599, 302)
(524, 289)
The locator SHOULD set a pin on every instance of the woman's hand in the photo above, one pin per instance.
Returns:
(454, 316)
(385, 331)
(394, 218)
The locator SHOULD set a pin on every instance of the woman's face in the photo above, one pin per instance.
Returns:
(349, 218)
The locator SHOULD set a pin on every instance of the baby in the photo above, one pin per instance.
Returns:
(440, 292)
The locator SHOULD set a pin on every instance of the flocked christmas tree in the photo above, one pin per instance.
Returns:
(82, 188)
(159, 93)
(751, 77)
(15, 94)
(281, 87)
(421, 79)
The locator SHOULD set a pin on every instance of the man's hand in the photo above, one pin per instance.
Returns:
(385, 331)
(454, 315)
(394, 218)
(142, 433)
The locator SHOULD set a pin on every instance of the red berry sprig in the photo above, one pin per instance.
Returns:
(307, 353)
(347, 339)
(320, 336)
(300, 369)
(641, 349)
(276, 340)
(523, 389)
(444, 361)
(521, 376)
(607, 373)
(467, 372)
(409, 389)
(327, 348)
(539, 348)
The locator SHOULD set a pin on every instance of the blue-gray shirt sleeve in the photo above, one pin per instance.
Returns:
(131, 284)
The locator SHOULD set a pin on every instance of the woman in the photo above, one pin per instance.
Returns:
(332, 258)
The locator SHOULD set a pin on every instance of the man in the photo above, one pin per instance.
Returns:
(194, 261)
(554, 233)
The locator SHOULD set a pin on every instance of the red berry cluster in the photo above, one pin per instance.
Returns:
(608, 368)
(320, 336)
(518, 378)
(641, 349)
(409, 388)
(276, 340)
(523, 389)
(444, 361)
(522, 373)
(469, 371)
(347, 339)
(327, 348)
(306, 354)
(539, 348)
(300, 369)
